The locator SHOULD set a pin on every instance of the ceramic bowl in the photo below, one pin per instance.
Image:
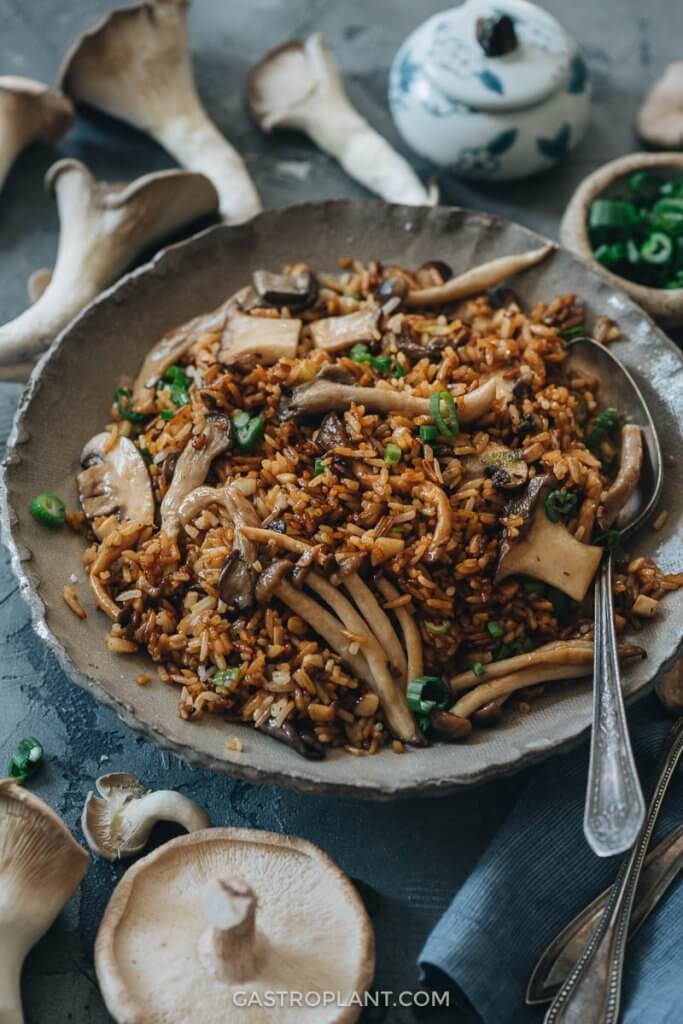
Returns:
(69, 396)
(490, 118)
(664, 306)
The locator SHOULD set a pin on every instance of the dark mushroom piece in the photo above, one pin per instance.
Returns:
(332, 433)
(296, 291)
(433, 273)
(394, 287)
(269, 579)
(237, 582)
(304, 743)
(449, 726)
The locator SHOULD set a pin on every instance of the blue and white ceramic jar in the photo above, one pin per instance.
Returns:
(491, 90)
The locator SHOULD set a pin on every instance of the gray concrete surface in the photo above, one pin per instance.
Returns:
(414, 854)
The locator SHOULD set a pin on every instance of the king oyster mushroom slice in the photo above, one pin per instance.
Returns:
(29, 112)
(626, 481)
(660, 118)
(265, 339)
(330, 390)
(242, 913)
(478, 279)
(119, 822)
(334, 333)
(41, 866)
(298, 85)
(192, 468)
(135, 65)
(102, 229)
(114, 479)
(547, 551)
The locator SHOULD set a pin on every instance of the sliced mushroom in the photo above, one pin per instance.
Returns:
(304, 743)
(176, 343)
(102, 229)
(29, 111)
(380, 623)
(264, 339)
(449, 726)
(332, 434)
(579, 662)
(435, 497)
(296, 291)
(660, 118)
(478, 279)
(268, 580)
(558, 652)
(119, 822)
(135, 65)
(192, 468)
(548, 552)
(411, 634)
(237, 581)
(334, 333)
(113, 546)
(630, 464)
(298, 85)
(324, 393)
(115, 480)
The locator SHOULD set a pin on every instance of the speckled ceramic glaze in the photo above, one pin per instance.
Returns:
(486, 117)
(70, 394)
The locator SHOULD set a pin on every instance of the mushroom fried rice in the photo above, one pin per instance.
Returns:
(353, 510)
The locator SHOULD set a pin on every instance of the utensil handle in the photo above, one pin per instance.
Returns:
(615, 807)
(592, 992)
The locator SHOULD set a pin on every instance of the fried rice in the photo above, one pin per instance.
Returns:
(391, 521)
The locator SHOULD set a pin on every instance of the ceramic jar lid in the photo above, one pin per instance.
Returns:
(487, 63)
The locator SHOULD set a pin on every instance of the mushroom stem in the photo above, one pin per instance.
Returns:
(228, 949)
(478, 279)
(102, 228)
(11, 958)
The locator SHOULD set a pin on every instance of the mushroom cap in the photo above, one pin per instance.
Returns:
(115, 479)
(41, 864)
(660, 118)
(43, 113)
(312, 931)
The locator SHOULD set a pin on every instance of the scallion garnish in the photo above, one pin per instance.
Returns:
(318, 467)
(387, 365)
(432, 627)
(249, 430)
(560, 505)
(425, 693)
(428, 434)
(178, 382)
(573, 332)
(495, 629)
(226, 676)
(450, 426)
(26, 759)
(122, 398)
(392, 454)
(49, 510)
(604, 423)
(479, 669)
(167, 414)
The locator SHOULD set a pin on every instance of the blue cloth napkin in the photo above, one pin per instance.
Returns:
(536, 875)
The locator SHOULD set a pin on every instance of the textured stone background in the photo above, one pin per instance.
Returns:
(414, 853)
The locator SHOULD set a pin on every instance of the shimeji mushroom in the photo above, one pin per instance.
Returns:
(660, 118)
(118, 822)
(41, 866)
(102, 229)
(135, 65)
(298, 85)
(208, 925)
(29, 111)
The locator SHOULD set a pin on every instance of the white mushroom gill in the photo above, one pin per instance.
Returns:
(29, 111)
(298, 85)
(102, 229)
(135, 65)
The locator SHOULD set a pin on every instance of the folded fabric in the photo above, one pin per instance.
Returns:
(536, 875)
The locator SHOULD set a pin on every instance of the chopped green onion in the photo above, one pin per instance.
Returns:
(167, 414)
(603, 424)
(26, 760)
(425, 723)
(49, 510)
(226, 675)
(479, 669)
(428, 434)
(318, 467)
(359, 353)
(147, 455)
(249, 432)
(610, 255)
(241, 419)
(432, 627)
(643, 185)
(532, 587)
(573, 332)
(451, 426)
(560, 505)
(612, 216)
(495, 629)
(609, 540)
(425, 693)
(122, 398)
(392, 454)
(657, 249)
(384, 364)
(504, 651)
(558, 600)
(179, 383)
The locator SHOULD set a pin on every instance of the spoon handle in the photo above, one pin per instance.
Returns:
(615, 808)
(591, 994)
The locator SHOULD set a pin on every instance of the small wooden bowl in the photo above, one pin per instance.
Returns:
(664, 306)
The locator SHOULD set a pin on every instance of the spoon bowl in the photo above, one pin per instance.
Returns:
(618, 390)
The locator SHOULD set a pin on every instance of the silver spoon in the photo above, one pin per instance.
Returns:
(615, 808)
